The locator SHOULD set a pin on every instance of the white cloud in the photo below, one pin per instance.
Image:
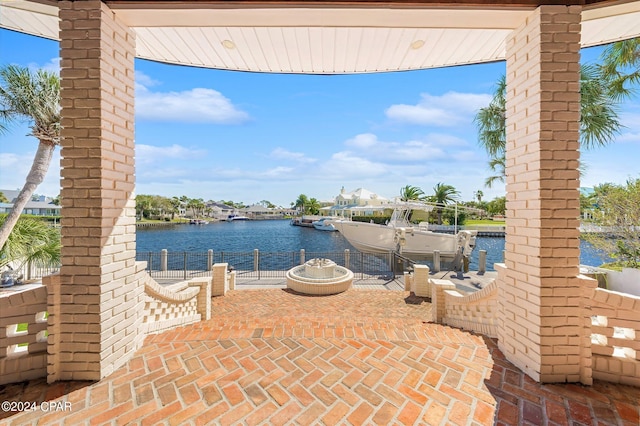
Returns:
(404, 152)
(283, 154)
(143, 81)
(347, 165)
(446, 110)
(198, 105)
(364, 140)
(148, 153)
(277, 172)
(52, 66)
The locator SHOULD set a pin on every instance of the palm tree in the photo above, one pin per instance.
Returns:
(478, 194)
(197, 206)
(599, 121)
(617, 59)
(314, 206)
(35, 97)
(409, 193)
(31, 240)
(302, 202)
(175, 206)
(498, 166)
(443, 195)
(491, 121)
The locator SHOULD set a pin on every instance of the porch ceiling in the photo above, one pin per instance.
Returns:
(323, 38)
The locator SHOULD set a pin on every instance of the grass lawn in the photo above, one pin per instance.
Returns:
(484, 222)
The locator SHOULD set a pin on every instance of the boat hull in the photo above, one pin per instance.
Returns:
(324, 224)
(414, 243)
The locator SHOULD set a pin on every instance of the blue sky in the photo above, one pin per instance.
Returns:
(249, 137)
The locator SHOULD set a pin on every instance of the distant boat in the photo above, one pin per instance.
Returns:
(233, 217)
(305, 221)
(324, 224)
(198, 222)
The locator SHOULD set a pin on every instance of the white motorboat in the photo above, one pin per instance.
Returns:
(324, 224)
(234, 217)
(198, 222)
(416, 242)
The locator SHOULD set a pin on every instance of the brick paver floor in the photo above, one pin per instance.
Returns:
(361, 357)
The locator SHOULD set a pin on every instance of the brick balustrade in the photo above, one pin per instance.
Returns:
(612, 351)
(615, 337)
(23, 353)
(35, 352)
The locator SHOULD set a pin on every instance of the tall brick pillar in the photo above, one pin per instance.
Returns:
(543, 328)
(95, 317)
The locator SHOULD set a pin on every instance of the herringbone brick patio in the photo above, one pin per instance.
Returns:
(360, 357)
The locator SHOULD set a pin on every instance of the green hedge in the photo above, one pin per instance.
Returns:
(380, 220)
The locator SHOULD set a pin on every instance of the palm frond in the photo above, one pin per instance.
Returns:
(33, 97)
(31, 240)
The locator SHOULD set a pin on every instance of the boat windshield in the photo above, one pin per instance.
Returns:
(402, 213)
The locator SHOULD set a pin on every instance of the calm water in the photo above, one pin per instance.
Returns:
(279, 236)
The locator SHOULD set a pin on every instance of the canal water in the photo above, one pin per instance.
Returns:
(280, 236)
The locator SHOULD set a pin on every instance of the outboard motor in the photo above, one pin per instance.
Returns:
(467, 241)
(400, 238)
(466, 244)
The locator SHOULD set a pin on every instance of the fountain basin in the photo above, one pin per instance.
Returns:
(319, 277)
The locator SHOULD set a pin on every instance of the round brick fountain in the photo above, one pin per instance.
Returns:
(318, 277)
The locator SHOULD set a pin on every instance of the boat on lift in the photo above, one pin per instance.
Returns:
(416, 242)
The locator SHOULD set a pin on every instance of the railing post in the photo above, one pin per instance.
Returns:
(150, 262)
(436, 261)
(482, 261)
(209, 259)
(163, 260)
(256, 261)
(302, 259)
(347, 258)
(185, 266)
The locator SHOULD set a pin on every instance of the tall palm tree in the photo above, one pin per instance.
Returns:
(491, 121)
(31, 240)
(599, 122)
(34, 97)
(410, 192)
(302, 202)
(442, 195)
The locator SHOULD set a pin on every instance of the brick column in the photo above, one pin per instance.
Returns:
(100, 300)
(541, 321)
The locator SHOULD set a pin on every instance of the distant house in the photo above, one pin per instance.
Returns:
(220, 211)
(38, 206)
(360, 202)
(258, 211)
